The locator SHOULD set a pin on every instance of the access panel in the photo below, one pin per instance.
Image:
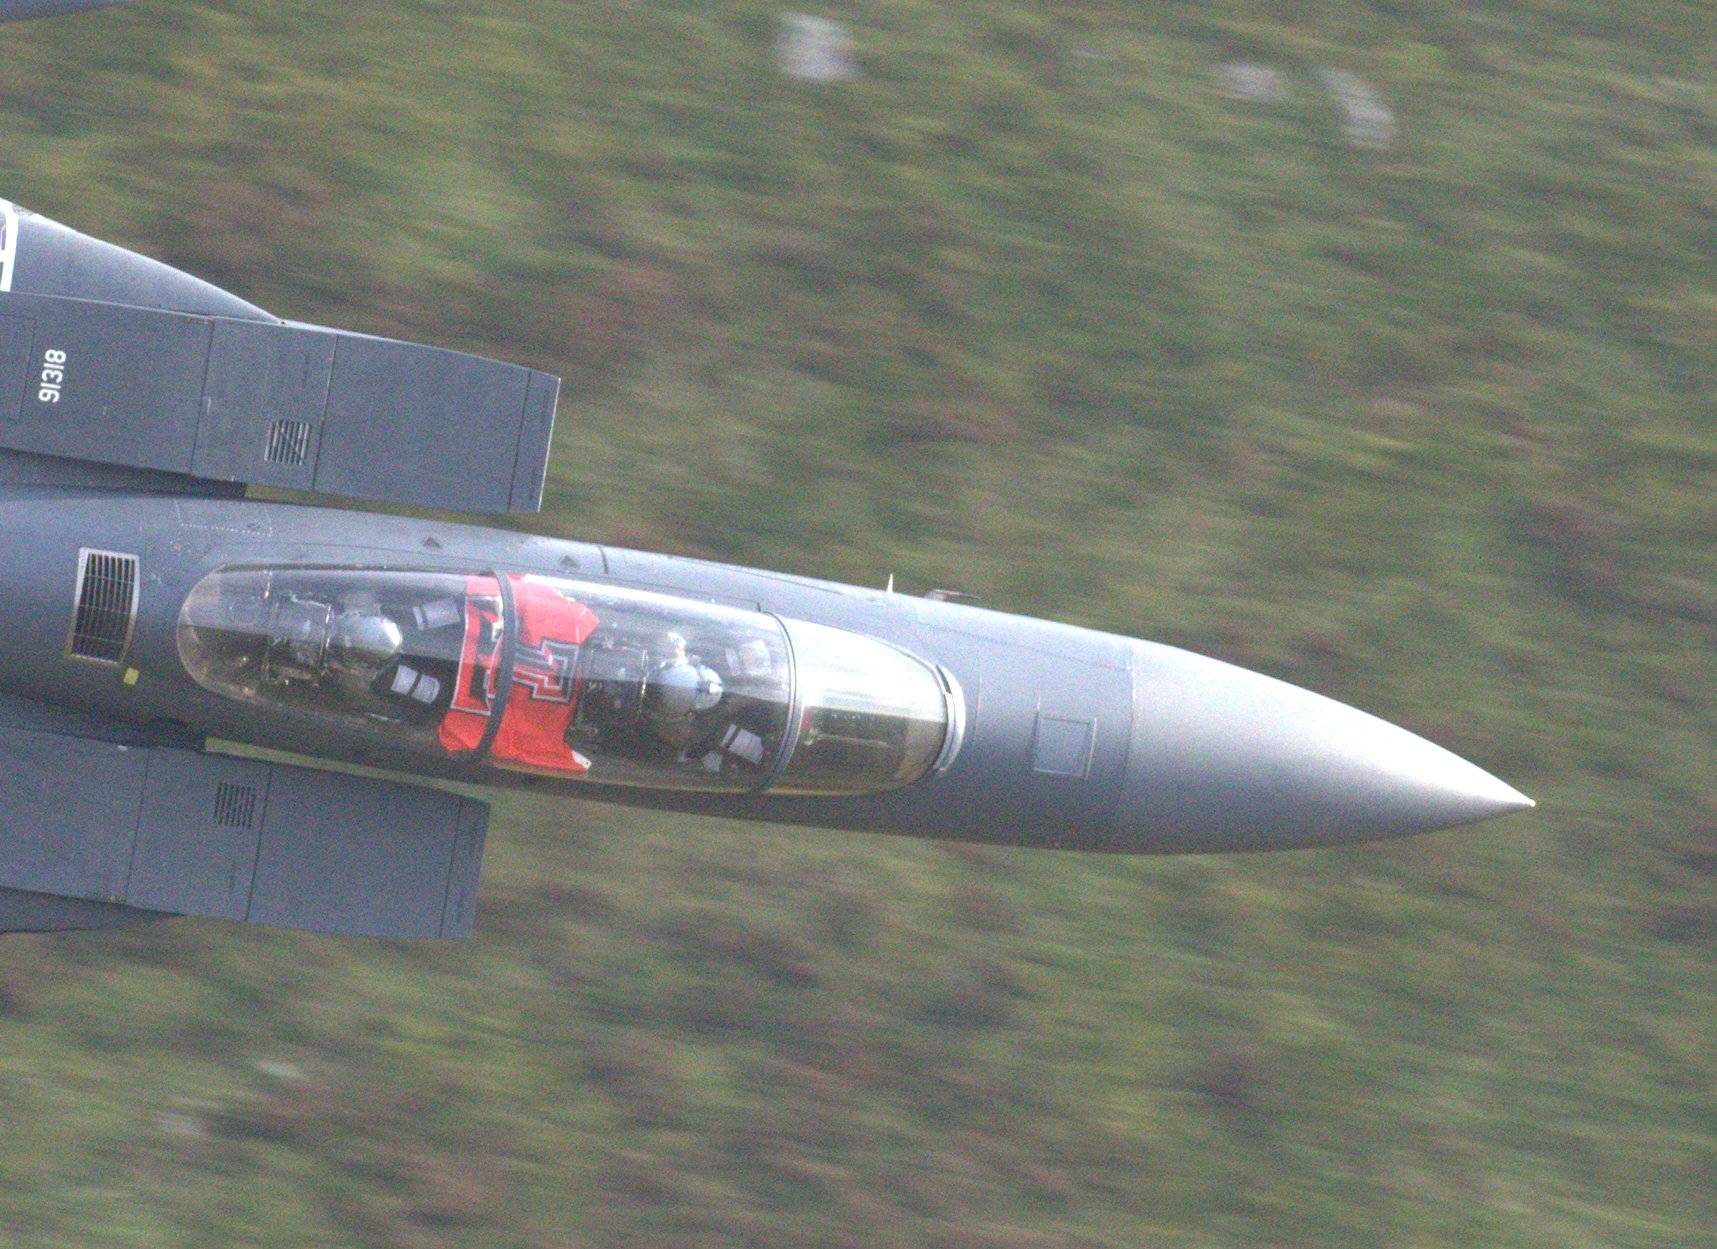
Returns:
(185, 833)
(296, 406)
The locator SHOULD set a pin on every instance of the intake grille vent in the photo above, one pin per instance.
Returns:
(106, 606)
(288, 442)
(235, 805)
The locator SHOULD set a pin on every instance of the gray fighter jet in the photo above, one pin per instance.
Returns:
(153, 610)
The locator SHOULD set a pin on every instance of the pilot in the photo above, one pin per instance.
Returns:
(350, 648)
(365, 658)
(297, 649)
(362, 646)
(678, 690)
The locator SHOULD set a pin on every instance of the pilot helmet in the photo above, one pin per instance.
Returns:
(360, 641)
(677, 690)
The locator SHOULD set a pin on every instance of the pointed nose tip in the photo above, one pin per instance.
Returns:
(1440, 788)
(1501, 798)
(1226, 759)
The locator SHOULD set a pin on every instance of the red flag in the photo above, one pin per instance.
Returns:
(545, 639)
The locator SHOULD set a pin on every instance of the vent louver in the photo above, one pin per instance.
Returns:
(235, 805)
(106, 606)
(288, 442)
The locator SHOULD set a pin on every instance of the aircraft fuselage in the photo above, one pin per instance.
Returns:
(1056, 736)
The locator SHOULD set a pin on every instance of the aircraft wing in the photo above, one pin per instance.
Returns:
(270, 403)
(114, 360)
(174, 831)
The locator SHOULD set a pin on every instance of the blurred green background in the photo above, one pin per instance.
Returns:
(1033, 306)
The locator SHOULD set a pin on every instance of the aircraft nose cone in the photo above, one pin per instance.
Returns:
(1226, 759)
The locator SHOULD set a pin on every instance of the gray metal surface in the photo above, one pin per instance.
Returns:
(179, 832)
(64, 834)
(282, 405)
(350, 854)
(420, 425)
(21, 911)
(107, 383)
(261, 376)
(40, 256)
(193, 854)
(1239, 761)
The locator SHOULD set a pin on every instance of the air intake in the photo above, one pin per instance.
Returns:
(235, 805)
(106, 606)
(288, 442)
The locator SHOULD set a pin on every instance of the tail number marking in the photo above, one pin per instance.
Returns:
(53, 375)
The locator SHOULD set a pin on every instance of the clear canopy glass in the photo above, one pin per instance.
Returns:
(870, 716)
(570, 679)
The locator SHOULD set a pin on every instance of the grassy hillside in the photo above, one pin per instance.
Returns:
(1031, 309)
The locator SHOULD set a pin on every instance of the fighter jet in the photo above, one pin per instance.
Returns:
(182, 663)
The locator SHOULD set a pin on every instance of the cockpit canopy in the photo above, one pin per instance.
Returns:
(572, 679)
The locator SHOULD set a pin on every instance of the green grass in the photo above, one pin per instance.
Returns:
(1033, 311)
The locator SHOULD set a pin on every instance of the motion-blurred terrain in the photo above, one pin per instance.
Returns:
(1110, 312)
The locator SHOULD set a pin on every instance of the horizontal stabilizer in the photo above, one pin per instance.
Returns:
(183, 833)
(294, 406)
